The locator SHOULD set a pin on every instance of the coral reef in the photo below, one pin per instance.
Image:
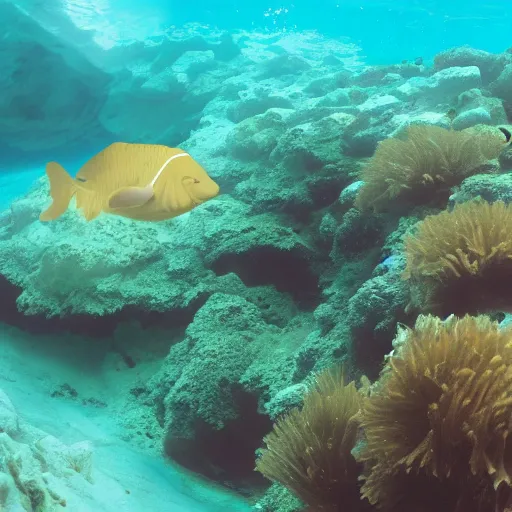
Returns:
(486, 187)
(325, 166)
(373, 312)
(100, 268)
(219, 384)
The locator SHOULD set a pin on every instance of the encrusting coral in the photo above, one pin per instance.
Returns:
(461, 261)
(309, 450)
(426, 164)
(440, 416)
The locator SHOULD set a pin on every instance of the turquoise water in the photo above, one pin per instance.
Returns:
(159, 315)
(387, 31)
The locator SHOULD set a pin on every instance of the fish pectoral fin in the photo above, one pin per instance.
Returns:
(130, 197)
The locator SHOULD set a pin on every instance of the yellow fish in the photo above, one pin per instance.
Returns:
(140, 181)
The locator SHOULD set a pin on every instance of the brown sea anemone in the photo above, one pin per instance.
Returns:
(441, 411)
(309, 450)
(426, 164)
(460, 262)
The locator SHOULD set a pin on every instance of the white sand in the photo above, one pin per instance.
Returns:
(31, 367)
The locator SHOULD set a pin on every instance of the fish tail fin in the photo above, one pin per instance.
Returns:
(62, 189)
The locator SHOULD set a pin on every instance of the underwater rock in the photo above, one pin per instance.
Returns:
(358, 95)
(505, 159)
(391, 256)
(72, 267)
(378, 117)
(428, 118)
(24, 480)
(128, 90)
(285, 400)
(306, 169)
(285, 64)
(274, 189)
(472, 105)
(337, 98)
(373, 312)
(376, 75)
(255, 102)
(36, 115)
(163, 90)
(487, 187)
(218, 386)
(441, 87)
(77, 275)
(502, 86)
(22, 212)
(154, 100)
(166, 82)
(308, 147)
(297, 198)
(133, 88)
(327, 228)
(472, 117)
(348, 195)
(310, 112)
(259, 248)
(362, 144)
(390, 78)
(360, 138)
(283, 368)
(377, 105)
(192, 64)
(223, 338)
(278, 499)
(323, 349)
(357, 233)
(9, 422)
(210, 392)
(255, 137)
(320, 87)
(174, 45)
(39, 472)
(490, 64)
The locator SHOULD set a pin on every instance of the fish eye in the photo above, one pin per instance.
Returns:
(196, 180)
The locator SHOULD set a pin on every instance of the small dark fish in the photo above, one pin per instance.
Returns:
(418, 61)
(451, 114)
(506, 133)
(404, 61)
